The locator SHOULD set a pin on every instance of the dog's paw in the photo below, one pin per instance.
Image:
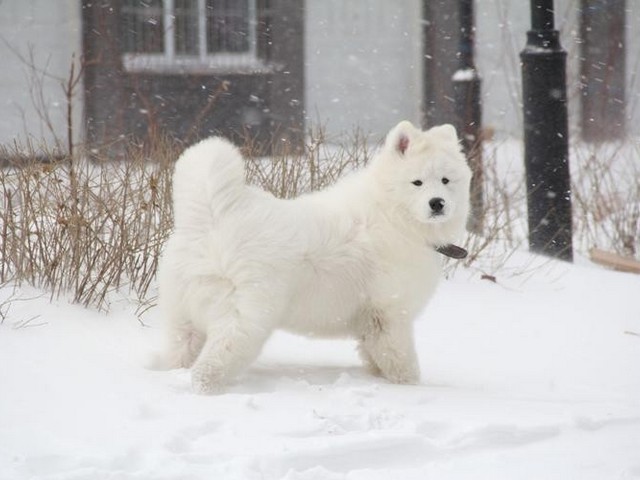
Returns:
(205, 380)
(404, 379)
(404, 376)
(372, 369)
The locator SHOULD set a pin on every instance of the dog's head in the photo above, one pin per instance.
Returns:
(427, 177)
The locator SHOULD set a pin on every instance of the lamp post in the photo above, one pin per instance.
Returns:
(546, 139)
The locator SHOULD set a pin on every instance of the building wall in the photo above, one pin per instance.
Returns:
(363, 64)
(256, 102)
(633, 67)
(501, 37)
(49, 33)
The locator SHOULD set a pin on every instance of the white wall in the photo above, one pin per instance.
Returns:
(363, 65)
(52, 31)
(501, 36)
(633, 67)
(369, 74)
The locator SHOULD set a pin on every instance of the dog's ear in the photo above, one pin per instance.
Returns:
(445, 133)
(399, 138)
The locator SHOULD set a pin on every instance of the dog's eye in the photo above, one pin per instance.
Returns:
(445, 180)
(417, 183)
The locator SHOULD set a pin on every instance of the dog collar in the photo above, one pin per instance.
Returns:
(451, 250)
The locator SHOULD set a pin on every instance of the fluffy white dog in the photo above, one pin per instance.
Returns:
(358, 259)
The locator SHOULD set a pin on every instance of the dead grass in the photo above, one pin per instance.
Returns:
(288, 174)
(605, 200)
(606, 192)
(87, 228)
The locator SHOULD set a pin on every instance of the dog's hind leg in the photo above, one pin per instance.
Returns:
(182, 345)
(232, 344)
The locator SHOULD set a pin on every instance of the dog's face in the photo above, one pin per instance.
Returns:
(427, 175)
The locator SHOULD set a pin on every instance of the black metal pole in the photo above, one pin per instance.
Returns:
(466, 84)
(546, 138)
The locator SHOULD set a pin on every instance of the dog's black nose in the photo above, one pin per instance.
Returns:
(437, 205)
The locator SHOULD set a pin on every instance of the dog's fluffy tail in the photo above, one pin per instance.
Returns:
(208, 179)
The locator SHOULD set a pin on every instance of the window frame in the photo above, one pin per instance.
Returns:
(204, 62)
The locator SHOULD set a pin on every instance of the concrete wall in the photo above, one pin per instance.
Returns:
(363, 63)
(50, 31)
(501, 36)
(633, 68)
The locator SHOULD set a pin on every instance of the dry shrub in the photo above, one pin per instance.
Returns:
(88, 228)
(288, 173)
(504, 212)
(606, 193)
(605, 197)
(84, 227)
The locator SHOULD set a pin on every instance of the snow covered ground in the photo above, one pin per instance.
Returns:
(536, 376)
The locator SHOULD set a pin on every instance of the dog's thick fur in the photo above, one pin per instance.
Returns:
(356, 259)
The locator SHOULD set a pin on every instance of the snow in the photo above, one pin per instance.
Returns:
(464, 75)
(533, 376)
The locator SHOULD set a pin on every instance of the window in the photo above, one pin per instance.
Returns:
(190, 35)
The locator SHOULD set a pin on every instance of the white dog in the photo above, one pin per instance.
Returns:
(357, 259)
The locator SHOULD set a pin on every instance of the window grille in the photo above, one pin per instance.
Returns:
(228, 26)
(185, 24)
(190, 35)
(143, 26)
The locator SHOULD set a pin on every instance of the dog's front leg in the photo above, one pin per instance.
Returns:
(389, 345)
